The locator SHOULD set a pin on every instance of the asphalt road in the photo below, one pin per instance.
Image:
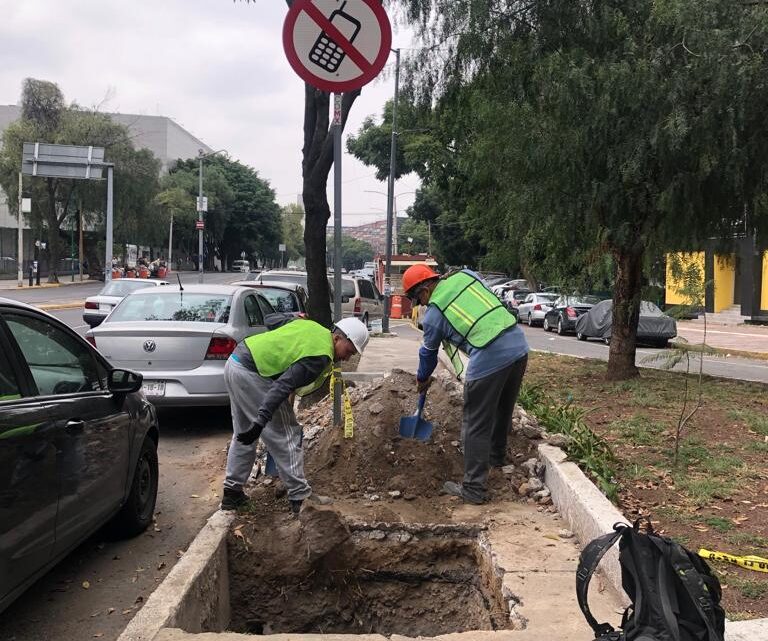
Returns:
(79, 291)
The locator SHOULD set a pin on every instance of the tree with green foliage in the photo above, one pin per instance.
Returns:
(293, 232)
(354, 253)
(46, 118)
(242, 213)
(600, 128)
(412, 236)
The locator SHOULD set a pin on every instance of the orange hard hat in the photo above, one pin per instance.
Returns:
(416, 274)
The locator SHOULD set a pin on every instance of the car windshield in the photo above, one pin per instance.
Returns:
(547, 298)
(123, 287)
(270, 277)
(520, 294)
(176, 306)
(581, 300)
(280, 299)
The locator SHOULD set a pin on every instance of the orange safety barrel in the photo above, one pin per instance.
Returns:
(116, 273)
(162, 272)
(396, 308)
(143, 272)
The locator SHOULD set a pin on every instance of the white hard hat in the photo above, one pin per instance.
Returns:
(355, 331)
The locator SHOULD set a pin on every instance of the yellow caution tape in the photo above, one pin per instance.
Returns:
(349, 420)
(750, 562)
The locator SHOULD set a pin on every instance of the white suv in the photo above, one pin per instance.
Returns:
(241, 266)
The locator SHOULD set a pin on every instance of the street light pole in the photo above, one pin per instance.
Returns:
(20, 253)
(390, 200)
(200, 218)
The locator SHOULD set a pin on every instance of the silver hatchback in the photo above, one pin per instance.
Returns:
(179, 339)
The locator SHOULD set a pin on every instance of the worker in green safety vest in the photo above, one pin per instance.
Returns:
(463, 315)
(261, 376)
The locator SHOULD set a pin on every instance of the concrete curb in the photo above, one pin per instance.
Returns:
(49, 307)
(195, 594)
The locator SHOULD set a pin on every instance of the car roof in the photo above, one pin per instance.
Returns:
(273, 284)
(20, 304)
(224, 290)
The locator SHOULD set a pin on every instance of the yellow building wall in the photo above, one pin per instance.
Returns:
(725, 268)
(764, 292)
(672, 295)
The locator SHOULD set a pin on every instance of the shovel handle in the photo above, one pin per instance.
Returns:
(422, 400)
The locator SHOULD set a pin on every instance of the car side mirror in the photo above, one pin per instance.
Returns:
(345, 299)
(124, 381)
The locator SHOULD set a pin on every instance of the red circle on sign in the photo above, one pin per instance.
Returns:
(323, 84)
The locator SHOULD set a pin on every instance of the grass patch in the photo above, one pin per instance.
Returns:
(702, 491)
(638, 430)
(749, 588)
(753, 420)
(760, 447)
(719, 523)
(747, 543)
(720, 465)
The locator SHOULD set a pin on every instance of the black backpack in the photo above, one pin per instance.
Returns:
(675, 596)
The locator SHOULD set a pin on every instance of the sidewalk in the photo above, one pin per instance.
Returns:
(13, 284)
(383, 354)
(740, 340)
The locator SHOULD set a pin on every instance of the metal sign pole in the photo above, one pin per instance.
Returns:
(390, 201)
(110, 221)
(337, 292)
(20, 256)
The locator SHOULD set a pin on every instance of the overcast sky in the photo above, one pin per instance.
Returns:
(217, 67)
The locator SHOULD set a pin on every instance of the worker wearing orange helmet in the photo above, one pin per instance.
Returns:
(465, 316)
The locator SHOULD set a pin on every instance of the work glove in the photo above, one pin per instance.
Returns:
(250, 437)
(423, 386)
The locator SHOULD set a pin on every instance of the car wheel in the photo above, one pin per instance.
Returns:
(607, 340)
(136, 515)
(530, 319)
(580, 336)
(364, 319)
(546, 326)
(560, 329)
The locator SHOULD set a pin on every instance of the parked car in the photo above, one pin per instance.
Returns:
(360, 299)
(241, 266)
(179, 338)
(284, 297)
(280, 276)
(565, 312)
(534, 306)
(99, 306)
(517, 283)
(513, 297)
(654, 328)
(78, 446)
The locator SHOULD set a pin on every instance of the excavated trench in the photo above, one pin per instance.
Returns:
(363, 579)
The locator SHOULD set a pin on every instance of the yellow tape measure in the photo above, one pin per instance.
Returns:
(349, 421)
(750, 562)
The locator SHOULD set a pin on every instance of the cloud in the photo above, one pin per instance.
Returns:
(217, 67)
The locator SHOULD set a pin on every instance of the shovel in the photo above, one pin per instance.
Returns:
(415, 426)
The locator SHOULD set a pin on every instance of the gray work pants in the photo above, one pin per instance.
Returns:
(282, 435)
(487, 420)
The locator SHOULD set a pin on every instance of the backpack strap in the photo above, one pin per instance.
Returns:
(688, 575)
(588, 561)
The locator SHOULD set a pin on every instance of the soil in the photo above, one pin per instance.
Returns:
(366, 582)
(717, 496)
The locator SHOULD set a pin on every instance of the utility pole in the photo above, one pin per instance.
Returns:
(390, 200)
(20, 253)
(170, 245)
(200, 218)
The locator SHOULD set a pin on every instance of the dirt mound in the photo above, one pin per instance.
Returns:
(377, 461)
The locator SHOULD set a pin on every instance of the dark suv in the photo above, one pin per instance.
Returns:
(78, 446)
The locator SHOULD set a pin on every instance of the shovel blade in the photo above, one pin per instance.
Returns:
(408, 426)
(423, 430)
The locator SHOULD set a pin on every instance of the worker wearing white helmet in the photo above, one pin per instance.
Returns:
(261, 376)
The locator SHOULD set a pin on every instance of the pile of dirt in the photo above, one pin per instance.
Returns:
(378, 463)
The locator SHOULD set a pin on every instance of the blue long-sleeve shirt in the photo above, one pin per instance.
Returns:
(505, 350)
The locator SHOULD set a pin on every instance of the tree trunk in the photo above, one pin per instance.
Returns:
(52, 221)
(317, 214)
(626, 313)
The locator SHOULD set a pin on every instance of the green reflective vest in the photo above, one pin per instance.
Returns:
(274, 352)
(472, 310)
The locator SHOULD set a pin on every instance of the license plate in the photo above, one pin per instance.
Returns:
(105, 307)
(153, 388)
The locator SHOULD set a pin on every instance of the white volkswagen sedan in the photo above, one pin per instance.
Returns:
(180, 338)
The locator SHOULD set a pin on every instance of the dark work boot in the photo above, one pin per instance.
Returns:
(454, 489)
(233, 499)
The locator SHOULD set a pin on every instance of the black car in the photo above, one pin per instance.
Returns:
(566, 311)
(78, 446)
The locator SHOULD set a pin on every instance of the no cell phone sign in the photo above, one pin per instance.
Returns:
(337, 45)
